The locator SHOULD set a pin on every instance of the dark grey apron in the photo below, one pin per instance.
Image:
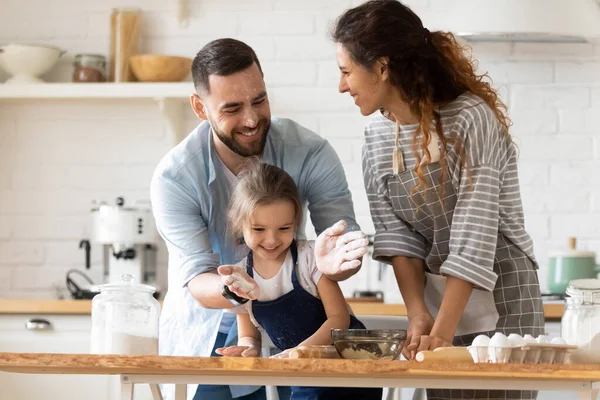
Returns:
(516, 302)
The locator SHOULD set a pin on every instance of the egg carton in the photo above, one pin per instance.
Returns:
(531, 353)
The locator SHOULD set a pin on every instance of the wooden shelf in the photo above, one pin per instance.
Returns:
(179, 90)
(171, 98)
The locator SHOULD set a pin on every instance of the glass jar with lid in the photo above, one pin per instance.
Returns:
(125, 31)
(89, 68)
(125, 318)
(580, 324)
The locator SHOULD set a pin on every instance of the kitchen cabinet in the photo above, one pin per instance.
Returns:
(54, 334)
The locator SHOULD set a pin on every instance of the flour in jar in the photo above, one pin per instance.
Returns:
(124, 343)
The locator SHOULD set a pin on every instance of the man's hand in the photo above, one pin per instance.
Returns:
(336, 252)
(239, 282)
(238, 351)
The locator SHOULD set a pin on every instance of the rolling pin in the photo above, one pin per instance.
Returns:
(445, 353)
(314, 352)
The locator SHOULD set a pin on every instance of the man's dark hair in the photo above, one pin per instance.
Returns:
(221, 57)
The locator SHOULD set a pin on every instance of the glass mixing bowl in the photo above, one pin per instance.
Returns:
(368, 344)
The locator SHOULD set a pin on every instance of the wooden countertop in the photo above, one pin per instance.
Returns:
(233, 366)
(553, 311)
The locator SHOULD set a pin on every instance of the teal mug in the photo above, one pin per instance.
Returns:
(565, 266)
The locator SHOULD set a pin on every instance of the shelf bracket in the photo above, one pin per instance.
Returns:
(172, 111)
(183, 13)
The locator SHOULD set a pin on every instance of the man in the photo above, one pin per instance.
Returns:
(190, 192)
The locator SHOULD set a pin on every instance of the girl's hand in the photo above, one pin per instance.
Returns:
(239, 282)
(418, 326)
(336, 251)
(238, 351)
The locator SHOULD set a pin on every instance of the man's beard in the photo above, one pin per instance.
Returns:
(252, 149)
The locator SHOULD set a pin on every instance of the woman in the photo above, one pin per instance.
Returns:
(442, 183)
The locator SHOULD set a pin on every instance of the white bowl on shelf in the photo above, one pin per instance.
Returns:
(26, 62)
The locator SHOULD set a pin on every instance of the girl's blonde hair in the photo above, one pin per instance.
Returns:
(260, 184)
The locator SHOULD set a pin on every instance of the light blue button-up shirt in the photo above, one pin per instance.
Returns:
(190, 195)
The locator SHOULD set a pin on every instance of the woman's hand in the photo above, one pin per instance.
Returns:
(238, 351)
(430, 342)
(419, 326)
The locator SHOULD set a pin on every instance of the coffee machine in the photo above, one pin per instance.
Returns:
(127, 235)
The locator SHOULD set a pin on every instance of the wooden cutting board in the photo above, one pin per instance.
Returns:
(314, 352)
(456, 354)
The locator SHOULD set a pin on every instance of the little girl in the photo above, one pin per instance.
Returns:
(296, 304)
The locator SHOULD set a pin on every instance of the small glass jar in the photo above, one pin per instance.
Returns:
(89, 68)
(580, 324)
(125, 318)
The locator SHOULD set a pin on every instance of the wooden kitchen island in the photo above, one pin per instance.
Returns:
(585, 379)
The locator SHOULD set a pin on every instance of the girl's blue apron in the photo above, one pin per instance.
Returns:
(291, 319)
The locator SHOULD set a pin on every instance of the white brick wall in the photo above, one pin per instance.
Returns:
(57, 156)
(595, 200)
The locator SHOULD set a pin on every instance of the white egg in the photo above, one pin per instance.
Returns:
(542, 339)
(558, 340)
(499, 340)
(481, 341)
(516, 340)
(529, 339)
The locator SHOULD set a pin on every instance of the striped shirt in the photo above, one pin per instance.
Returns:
(476, 232)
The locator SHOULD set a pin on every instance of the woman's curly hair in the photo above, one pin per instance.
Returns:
(430, 69)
